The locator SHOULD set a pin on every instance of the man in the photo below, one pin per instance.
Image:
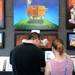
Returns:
(27, 58)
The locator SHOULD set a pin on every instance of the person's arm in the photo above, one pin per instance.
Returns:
(12, 61)
(47, 69)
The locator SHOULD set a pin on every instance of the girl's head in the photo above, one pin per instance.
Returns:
(58, 45)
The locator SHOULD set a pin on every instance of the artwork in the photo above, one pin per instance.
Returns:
(70, 14)
(71, 41)
(19, 37)
(1, 14)
(1, 40)
(36, 14)
(45, 38)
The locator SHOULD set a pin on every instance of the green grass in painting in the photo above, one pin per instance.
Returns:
(35, 24)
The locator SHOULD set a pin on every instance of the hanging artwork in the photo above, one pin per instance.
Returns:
(70, 14)
(46, 40)
(36, 14)
(19, 37)
(1, 14)
(71, 41)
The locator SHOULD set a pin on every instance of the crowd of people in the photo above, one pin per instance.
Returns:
(28, 58)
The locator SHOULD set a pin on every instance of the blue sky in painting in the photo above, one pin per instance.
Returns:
(72, 36)
(52, 14)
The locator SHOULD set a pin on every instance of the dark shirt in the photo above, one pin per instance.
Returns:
(28, 59)
(12, 61)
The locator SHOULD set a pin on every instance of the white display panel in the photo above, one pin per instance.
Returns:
(73, 58)
(5, 64)
(49, 55)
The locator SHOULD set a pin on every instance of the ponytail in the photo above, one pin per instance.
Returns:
(58, 45)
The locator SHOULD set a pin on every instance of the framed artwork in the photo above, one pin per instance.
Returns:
(1, 39)
(44, 38)
(34, 14)
(48, 38)
(1, 14)
(19, 37)
(71, 41)
(70, 14)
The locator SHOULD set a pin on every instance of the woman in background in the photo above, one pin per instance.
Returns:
(62, 63)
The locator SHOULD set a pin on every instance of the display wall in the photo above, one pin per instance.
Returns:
(9, 31)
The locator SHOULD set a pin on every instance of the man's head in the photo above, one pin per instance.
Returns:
(35, 37)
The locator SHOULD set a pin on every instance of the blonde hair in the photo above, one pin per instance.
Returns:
(58, 45)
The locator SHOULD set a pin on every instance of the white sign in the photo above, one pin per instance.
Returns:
(49, 55)
(5, 64)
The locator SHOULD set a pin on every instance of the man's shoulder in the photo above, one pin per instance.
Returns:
(15, 48)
